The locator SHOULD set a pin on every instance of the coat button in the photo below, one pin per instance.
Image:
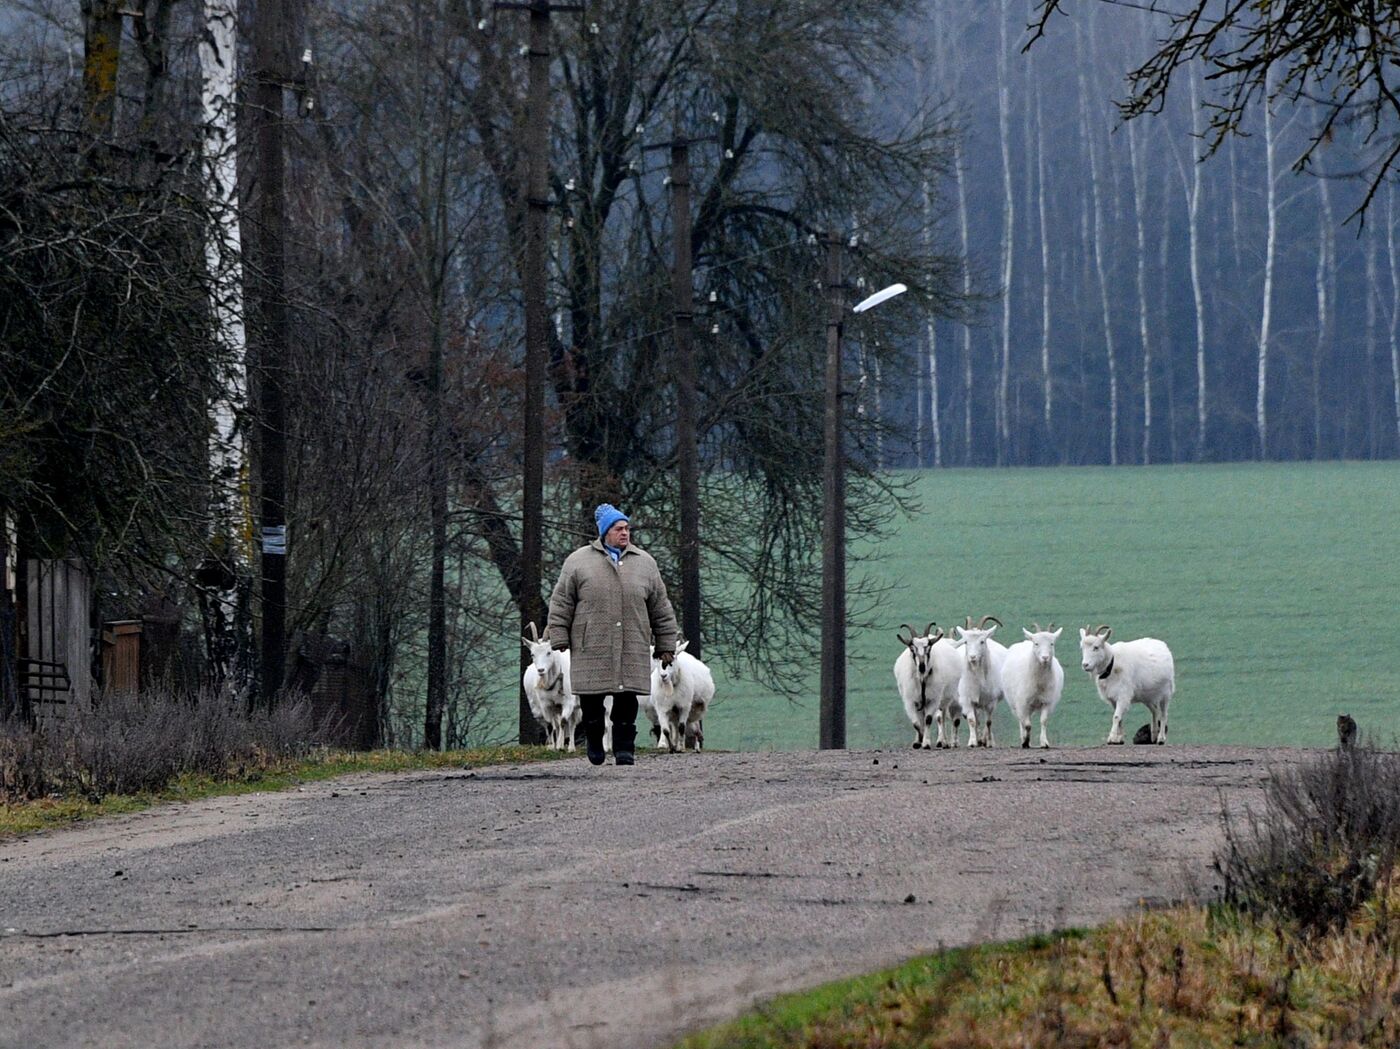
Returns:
(619, 622)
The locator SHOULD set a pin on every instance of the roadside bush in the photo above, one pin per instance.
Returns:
(1325, 843)
(131, 743)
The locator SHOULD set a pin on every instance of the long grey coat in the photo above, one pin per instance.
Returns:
(608, 614)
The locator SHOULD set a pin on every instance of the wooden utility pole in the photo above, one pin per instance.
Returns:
(833, 669)
(532, 607)
(270, 74)
(687, 454)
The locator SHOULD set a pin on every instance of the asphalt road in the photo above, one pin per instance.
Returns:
(566, 905)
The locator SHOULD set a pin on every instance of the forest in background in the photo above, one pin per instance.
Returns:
(1228, 309)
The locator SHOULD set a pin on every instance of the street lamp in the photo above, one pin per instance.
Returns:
(879, 297)
(833, 658)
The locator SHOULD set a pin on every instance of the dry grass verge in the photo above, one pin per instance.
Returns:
(1182, 977)
(26, 817)
(131, 752)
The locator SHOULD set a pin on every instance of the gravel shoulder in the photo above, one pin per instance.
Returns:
(566, 905)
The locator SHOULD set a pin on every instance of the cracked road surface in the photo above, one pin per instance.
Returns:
(566, 905)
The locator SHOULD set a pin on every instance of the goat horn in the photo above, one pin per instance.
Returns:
(902, 639)
(988, 619)
(1051, 627)
(928, 630)
(534, 631)
(967, 622)
(1103, 630)
(1035, 626)
(938, 633)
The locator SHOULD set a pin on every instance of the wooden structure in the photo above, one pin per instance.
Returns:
(54, 667)
(121, 655)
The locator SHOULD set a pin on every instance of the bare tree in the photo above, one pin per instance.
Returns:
(1261, 416)
(1139, 180)
(1008, 227)
(226, 574)
(1263, 54)
(1191, 185)
(782, 153)
(1326, 282)
(1100, 262)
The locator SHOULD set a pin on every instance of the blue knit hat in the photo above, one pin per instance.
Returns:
(606, 516)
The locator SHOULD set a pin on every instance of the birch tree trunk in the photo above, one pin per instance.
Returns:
(1326, 280)
(931, 332)
(1394, 303)
(1100, 267)
(1138, 172)
(1367, 441)
(1261, 389)
(227, 571)
(1193, 212)
(967, 291)
(1046, 387)
(1003, 421)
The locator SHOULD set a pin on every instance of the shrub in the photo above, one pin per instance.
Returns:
(130, 743)
(1326, 840)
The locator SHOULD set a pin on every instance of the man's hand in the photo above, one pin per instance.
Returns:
(666, 658)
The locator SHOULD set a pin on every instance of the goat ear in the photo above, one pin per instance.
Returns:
(1083, 633)
(1028, 634)
(526, 642)
(1057, 633)
(681, 647)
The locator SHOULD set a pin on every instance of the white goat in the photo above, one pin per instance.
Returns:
(1033, 679)
(979, 688)
(927, 674)
(1130, 672)
(680, 695)
(550, 693)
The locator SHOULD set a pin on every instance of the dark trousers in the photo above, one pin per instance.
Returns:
(624, 711)
(624, 721)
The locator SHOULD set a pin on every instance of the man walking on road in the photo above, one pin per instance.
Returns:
(609, 608)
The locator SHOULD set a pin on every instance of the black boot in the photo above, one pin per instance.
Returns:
(624, 715)
(593, 727)
(625, 744)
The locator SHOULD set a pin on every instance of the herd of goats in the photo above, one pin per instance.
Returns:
(943, 680)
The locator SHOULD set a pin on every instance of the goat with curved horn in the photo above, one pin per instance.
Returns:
(927, 675)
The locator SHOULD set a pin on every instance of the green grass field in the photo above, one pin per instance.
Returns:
(1276, 587)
